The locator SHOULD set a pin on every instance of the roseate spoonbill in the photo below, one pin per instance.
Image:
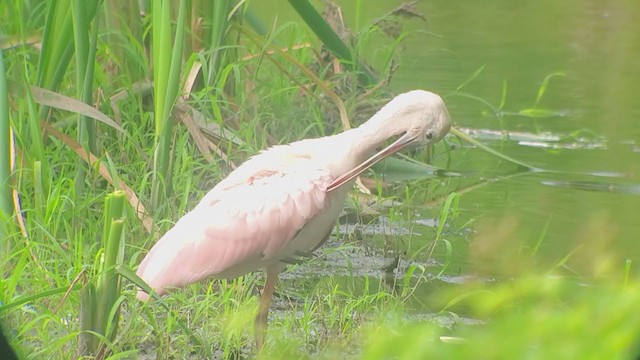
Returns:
(284, 202)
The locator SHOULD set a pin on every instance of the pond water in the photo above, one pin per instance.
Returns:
(591, 122)
(586, 125)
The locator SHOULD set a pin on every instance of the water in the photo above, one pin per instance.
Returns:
(596, 46)
(589, 126)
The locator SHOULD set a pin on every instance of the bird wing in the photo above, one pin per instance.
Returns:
(241, 223)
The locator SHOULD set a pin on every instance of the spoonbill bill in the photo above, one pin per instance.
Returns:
(284, 202)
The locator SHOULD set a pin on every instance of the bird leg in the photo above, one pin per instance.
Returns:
(260, 325)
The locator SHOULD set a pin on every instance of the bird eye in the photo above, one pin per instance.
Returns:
(429, 135)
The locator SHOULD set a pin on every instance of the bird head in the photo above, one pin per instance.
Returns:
(421, 116)
(418, 117)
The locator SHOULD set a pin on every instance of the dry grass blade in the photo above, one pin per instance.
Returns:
(333, 15)
(390, 23)
(91, 159)
(211, 128)
(15, 196)
(191, 79)
(13, 41)
(195, 123)
(81, 275)
(184, 114)
(17, 207)
(20, 219)
(58, 101)
(408, 10)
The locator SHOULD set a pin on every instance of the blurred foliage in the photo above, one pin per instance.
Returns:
(532, 317)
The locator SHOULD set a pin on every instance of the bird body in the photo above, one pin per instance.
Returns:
(285, 200)
(267, 210)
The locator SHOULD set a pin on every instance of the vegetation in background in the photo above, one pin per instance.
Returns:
(152, 102)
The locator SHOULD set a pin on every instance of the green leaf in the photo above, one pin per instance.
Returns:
(544, 85)
(538, 113)
(41, 295)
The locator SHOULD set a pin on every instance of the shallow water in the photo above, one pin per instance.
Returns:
(586, 125)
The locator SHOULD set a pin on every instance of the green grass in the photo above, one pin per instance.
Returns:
(263, 95)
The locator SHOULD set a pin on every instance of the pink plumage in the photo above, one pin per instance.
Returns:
(284, 201)
(239, 226)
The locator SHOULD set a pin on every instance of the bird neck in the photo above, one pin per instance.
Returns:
(361, 142)
(375, 132)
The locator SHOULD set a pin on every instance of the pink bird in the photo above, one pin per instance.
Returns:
(284, 202)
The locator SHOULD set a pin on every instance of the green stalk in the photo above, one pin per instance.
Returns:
(87, 87)
(85, 60)
(167, 60)
(219, 28)
(33, 144)
(100, 295)
(5, 155)
(108, 287)
(81, 40)
(88, 343)
(55, 57)
(161, 47)
(57, 50)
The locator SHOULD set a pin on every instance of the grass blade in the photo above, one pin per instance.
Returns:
(55, 54)
(219, 28)
(167, 64)
(22, 300)
(57, 51)
(5, 158)
(543, 87)
(85, 50)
